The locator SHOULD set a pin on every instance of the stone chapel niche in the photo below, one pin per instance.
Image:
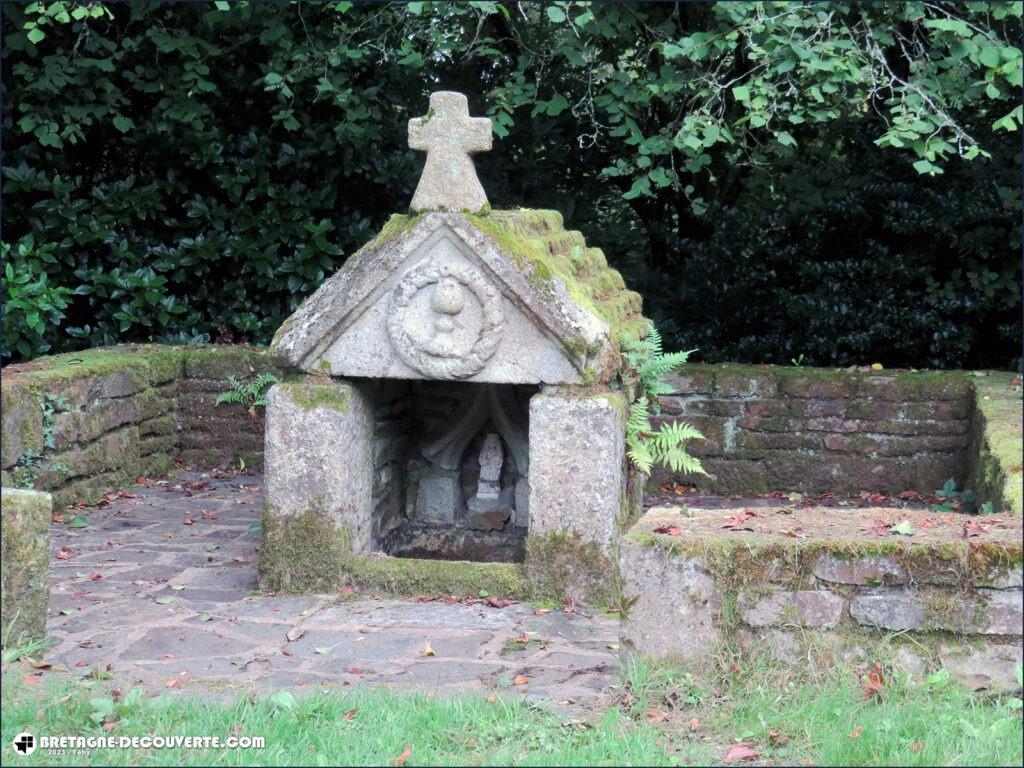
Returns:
(451, 470)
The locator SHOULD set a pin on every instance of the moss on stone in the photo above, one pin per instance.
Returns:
(310, 392)
(997, 467)
(544, 251)
(562, 564)
(302, 553)
(736, 563)
(409, 576)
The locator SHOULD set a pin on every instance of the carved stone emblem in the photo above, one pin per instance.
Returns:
(445, 321)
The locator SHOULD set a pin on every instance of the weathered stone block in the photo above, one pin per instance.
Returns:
(104, 416)
(859, 571)
(889, 611)
(744, 384)
(120, 384)
(760, 443)
(577, 464)
(807, 608)
(809, 386)
(26, 559)
(218, 363)
(438, 496)
(692, 380)
(674, 604)
(1003, 614)
(21, 429)
(769, 408)
(318, 479)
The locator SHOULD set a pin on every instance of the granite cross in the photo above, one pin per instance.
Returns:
(449, 136)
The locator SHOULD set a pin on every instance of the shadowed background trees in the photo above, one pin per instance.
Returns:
(838, 181)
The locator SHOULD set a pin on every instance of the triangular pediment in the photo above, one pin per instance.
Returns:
(437, 297)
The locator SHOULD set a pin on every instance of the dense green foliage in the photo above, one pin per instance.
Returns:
(834, 180)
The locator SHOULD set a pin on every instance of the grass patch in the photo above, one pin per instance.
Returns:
(315, 729)
(792, 714)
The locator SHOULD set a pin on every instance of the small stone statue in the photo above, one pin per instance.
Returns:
(490, 508)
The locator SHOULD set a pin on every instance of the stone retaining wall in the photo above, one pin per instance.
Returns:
(956, 603)
(80, 424)
(810, 429)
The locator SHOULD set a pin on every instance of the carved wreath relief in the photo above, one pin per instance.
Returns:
(445, 320)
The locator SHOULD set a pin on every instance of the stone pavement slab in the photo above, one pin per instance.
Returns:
(160, 586)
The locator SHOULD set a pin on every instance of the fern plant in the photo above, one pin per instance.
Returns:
(252, 394)
(644, 380)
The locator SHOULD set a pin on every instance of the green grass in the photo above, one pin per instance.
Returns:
(311, 729)
(792, 713)
(661, 716)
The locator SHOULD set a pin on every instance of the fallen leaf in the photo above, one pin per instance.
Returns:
(734, 523)
(39, 664)
(541, 611)
(520, 679)
(109, 726)
(30, 680)
(406, 754)
(63, 555)
(350, 714)
(177, 587)
(740, 752)
(654, 717)
(855, 733)
(174, 682)
(877, 367)
(497, 602)
(427, 650)
(238, 559)
(164, 600)
(669, 530)
(77, 522)
(916, 746)
(694, 724)
(973, 528)
(903, 527)
(323, 650)
(907, 494)
(187, 521)
(876, 527)
(354, 671)
(873, 682)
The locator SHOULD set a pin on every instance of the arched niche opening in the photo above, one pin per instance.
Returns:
(451, 469)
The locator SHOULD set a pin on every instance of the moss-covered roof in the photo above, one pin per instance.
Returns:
(541, 245)
(571, 292)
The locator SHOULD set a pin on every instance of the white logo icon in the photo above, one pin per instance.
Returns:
(24, 744)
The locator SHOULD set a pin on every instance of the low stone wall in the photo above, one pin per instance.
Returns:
(812, 429)
(24, 565)
(996, 467)
(80, 424)
(693, 586)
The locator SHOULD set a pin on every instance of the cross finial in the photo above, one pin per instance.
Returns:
(449, 136)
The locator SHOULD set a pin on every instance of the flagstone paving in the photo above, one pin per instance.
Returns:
(159, 588)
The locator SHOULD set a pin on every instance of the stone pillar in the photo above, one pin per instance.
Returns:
(577, 493)
(318, 481)
(25, 563)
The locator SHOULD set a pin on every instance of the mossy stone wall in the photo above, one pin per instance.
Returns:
(80, 424)
(814, 429)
